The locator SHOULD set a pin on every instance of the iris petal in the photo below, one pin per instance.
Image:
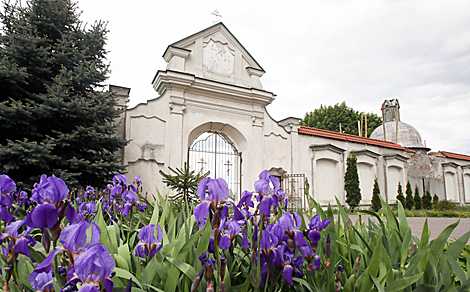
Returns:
(287, 274)
(265, 206)
(43, 216)
(225, 242)
(201, 211)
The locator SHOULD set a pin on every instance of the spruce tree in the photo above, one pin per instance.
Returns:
(417, 199)
(400, 196)
(409, 201)
(55, 117)
(427, 200)
(376, 204)
(351, 182)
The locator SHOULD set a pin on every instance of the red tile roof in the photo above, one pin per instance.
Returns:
(349, 138)
(455, 155)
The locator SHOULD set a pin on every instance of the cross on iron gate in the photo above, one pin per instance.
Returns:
(202, 162)
(228, 164)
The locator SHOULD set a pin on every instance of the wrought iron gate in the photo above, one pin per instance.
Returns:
(211, 152)
(293, 186)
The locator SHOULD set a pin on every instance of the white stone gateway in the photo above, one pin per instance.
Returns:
(210, 111)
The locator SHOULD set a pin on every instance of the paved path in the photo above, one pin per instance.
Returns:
(436, 225)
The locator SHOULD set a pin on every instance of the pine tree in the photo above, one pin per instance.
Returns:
(427, 200)
(409, 201)
(376, 204)
(351, 182)
(417, 199)
(400, 196)
(54, 116)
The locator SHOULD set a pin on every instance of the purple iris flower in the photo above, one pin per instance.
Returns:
(149, 245)
(48, 194)
(285, 258)
(129, 198)
(292, 230)
(120, 184)
(217, 194)
(267, 196)
(315, 226)
(89, 208)
(93, 267)
(246, 200)
(90, 191)
(141, 207)
(18, 242)
(39, 281)
(74, 242)
(7, 185)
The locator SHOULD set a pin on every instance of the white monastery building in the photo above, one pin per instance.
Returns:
(210, 111)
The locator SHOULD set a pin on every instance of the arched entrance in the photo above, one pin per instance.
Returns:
(211, 152)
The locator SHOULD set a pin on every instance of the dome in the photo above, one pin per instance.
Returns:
(408, 136)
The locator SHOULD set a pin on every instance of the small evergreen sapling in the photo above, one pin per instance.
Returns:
(427, 204)
(351, 182)
(376, 204)
(417, 199)
(400, 196)
(409, 202)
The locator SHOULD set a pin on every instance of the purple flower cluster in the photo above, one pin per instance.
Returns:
(281, 244)
(83, 259)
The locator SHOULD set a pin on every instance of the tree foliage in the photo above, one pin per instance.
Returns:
(417, 199)
(376, 204)
(55, 117)
(409, 201)
(351, 182)
(427, 200)
(329, 118)
(400, 196)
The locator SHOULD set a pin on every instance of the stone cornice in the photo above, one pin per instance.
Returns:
(165, 80)
(451, 164)
(366, 152)
(255, 71)
(329, 147)
(396, 156)
(175, 51)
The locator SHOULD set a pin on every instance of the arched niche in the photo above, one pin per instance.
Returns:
(366, 173)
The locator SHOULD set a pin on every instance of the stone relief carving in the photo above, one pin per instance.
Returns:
(219, 58)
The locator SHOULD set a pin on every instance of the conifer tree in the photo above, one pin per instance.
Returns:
(417, 199)
(400, 196)
(351, 182)
(376, 204)
(435, 200)
(55, 117)
(427, 200)
(409, 201)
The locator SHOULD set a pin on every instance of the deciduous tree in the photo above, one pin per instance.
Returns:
(329, 118)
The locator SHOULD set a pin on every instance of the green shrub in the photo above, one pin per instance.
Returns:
(445, 205)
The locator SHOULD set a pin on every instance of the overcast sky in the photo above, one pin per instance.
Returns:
(317, 52)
